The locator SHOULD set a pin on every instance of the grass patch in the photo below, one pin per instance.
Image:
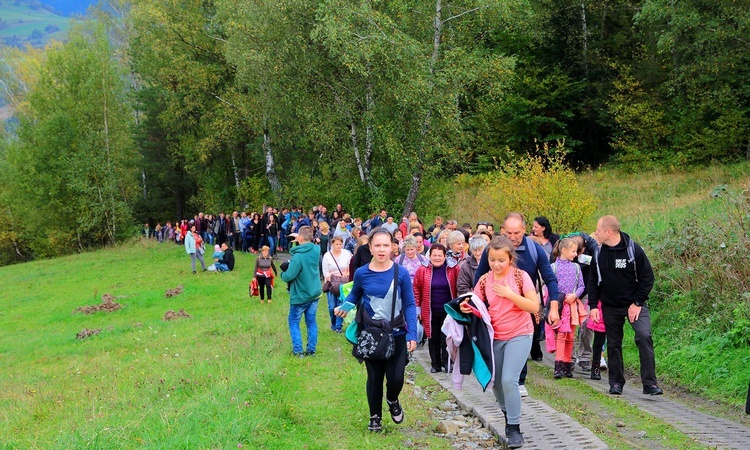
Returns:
(224, 378)
(616, 422)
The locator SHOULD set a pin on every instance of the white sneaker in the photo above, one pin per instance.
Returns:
(522, 390)
(603, 364)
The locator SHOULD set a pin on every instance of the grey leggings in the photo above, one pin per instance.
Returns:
(200, 258)
(510, 356)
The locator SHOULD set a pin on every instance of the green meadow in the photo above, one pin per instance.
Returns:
(223, 379)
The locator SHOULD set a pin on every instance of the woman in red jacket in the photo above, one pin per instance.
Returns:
(434, 286)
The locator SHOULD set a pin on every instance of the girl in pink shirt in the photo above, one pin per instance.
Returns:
(510, 296)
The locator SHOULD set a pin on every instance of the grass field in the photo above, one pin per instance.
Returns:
(22, 21)
(224, 379)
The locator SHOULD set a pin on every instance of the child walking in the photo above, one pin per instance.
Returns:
(265, 270)
(567, 312)
(596, 352)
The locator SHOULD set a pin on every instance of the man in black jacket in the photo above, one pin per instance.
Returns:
(228, 257)
(621, 277)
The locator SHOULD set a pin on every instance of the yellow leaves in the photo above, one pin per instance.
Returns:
(536, 186)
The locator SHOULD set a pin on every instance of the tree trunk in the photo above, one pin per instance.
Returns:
(143, 175)
(747, 152)
(236, 174)
(270, 165)
(355, 146)
(416, 178)
(369, 136)
(585, 37)
(111, 225)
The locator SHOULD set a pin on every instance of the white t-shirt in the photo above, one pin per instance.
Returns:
(329, 265)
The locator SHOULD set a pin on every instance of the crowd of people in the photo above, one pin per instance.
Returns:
(509, 291)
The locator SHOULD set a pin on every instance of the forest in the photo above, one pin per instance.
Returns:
(153, 110)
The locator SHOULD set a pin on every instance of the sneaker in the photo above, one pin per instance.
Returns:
(596, 373)
(585, 365)
(299, 355)
(397, 414)
(652, 390)
(603, 364)
(522, 390)
(376, 425)
(312, 353)
(615, 389)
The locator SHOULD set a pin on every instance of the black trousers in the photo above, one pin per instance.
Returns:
(264, 284)
(392, 371)
(596, 351)
(614, 321)
(436, 343)
(236, 241)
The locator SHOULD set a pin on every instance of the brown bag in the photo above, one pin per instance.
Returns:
(333, 285)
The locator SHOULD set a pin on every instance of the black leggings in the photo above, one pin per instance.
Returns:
(596, 357)
(393, 371)
(264, 283)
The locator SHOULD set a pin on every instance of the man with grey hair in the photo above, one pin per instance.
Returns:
(302, 276)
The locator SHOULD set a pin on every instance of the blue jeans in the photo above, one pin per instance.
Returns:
(309, 309)
(282, 240)
(272, 245)
(221, 267)
(336, 322)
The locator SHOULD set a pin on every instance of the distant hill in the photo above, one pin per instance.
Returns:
(32, 22)
(70, 7)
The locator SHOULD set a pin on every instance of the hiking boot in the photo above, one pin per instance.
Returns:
(596, 373)
(568, 369)
(615, 389)
(376, 425)
(585, 366)
(558, 372)
(652, 390)
(513, 436)
(397, 414)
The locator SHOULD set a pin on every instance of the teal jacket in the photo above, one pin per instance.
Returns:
(303, 276)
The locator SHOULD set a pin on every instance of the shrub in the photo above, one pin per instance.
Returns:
(535, 185)
(704, 268)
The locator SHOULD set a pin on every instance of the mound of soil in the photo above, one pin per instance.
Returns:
(173, 292)
(108, 305)
(83, 334)
(181, 314)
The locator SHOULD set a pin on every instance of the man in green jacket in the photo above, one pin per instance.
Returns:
(303, 278)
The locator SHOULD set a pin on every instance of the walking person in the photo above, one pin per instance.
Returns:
(565, 311)
(265, 271)
(511, 299)
(302, 276)
(335, 269)
(621, 277)
(194, 248)
(532, 260)
(434, 286)
(376, 286)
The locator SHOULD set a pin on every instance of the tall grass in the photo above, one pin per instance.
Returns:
(224, 379)
(696, 237)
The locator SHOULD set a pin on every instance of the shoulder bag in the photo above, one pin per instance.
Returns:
(375, 343)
